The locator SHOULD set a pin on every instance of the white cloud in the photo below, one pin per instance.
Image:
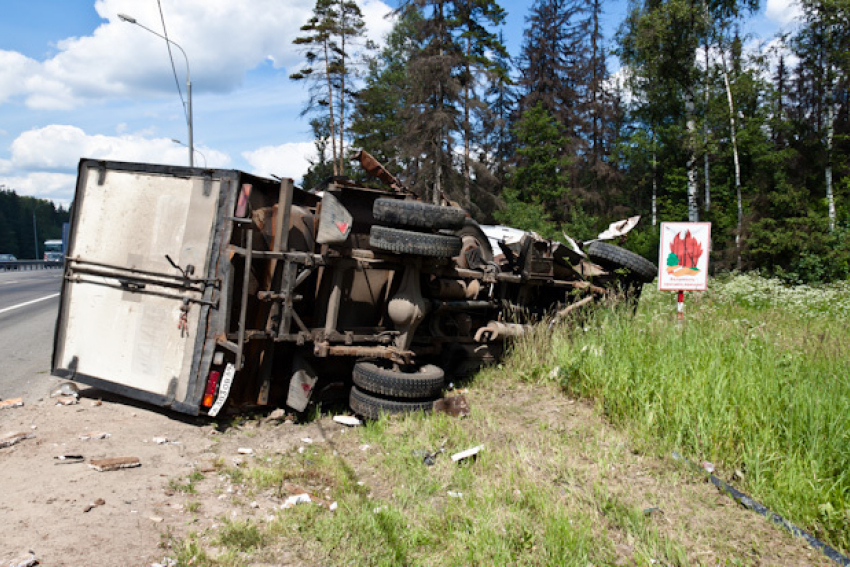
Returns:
(222, 39)
(58, 187)
(43, 160)
(783, 11)
(286, 160)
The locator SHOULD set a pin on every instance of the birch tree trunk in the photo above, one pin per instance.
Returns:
(654, 182)
(830, 132)
(734, 137)
(693, 211)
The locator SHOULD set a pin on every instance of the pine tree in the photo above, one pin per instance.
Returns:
(334, 34)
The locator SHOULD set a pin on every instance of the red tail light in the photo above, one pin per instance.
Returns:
(212, 385)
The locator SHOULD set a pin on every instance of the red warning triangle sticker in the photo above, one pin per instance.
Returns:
(342, 226)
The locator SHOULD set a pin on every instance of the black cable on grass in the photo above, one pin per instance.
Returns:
(759, 508)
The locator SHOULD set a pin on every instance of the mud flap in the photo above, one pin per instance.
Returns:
(301, 384)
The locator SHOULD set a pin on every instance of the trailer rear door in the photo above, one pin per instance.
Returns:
(140, 283)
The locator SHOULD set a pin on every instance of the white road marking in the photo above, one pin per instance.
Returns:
(25, 303)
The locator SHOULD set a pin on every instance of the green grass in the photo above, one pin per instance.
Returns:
(755, 380)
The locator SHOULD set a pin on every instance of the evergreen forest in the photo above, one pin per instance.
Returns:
(701, 122)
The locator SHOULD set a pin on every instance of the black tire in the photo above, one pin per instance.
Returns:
(372, 407)
(419, 243)
(610, 256)
(475, 247)
(416, 214)
(425, 382)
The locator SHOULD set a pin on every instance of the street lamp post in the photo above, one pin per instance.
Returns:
(199, 152)
(131, 20)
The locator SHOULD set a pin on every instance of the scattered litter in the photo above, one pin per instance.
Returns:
(238, 461)
(277, 415)
(13, 438)
(114, 463)
(708, 467)
(652, 512)
(255, 505)
(379, 509)
(65, 389)
(95, 435)
(349, 420)
(454, 494)
(33, 427)
(301, 450)
(295, 499)
(364, 447)
(737, 476)
(429, 457)
(97, 402)
(167, 562)
(333, 506)
(67, 401)
(455, 406)
(95, 504)
(13, 403)
(27, 560)
(68, 459)
(555, 373)
(245, 451)
(157, 519)
(306, 440)
(466, 454)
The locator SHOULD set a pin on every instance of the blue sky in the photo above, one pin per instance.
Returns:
(75, 81)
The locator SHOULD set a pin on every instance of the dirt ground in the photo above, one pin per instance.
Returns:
(70, 514)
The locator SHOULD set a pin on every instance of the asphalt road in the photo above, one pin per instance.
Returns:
(29, 301)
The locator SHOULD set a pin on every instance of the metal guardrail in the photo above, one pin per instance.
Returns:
(28, 265)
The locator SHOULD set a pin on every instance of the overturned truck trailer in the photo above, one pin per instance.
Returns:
(206, 290)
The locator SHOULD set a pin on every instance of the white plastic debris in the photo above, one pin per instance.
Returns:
(95, 435)
(306, 440)
(245, 451)
(160, 440)
(466, 454)
(332, 507)
(454, 494)
(296, 499)
(364, 447)
(348, 420)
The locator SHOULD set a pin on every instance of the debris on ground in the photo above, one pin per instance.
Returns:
(65, 389)
(454, 494)
(67, 401)
(12, 403)
(95, 435)
(245, 451)
(455, 406)
(13, 438)
(26, 560)
(707, 466)
(91, 506)
(160, 440)
(69, 459)
(114, 463)
(348, 420)
(473, 452)
(295, 499)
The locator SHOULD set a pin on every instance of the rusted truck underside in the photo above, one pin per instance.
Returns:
(200, 290)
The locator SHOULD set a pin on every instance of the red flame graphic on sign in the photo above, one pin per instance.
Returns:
(687, 249)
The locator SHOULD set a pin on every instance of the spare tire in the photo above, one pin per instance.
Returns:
(409, 242)
(424, 382)
(372, 407)
(614, 257)
(417, 214)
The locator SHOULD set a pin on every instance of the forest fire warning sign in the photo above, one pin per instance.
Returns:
(683, 256)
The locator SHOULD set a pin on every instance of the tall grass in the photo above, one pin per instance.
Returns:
(756, 380)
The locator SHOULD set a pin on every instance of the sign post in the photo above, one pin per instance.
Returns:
(683, 259)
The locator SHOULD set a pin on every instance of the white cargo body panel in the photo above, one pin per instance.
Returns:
(139, 283)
